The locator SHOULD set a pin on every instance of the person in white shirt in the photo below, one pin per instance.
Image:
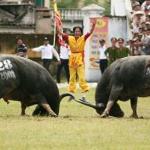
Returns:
(64, 57)
(47, 52)
(103, 62)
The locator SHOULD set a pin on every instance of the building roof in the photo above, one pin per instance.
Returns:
(93, 7)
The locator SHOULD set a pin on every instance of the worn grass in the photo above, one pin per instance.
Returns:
(77, 128)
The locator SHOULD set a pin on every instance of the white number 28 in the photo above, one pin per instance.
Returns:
(5, 64)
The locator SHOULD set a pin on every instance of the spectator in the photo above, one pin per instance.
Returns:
(122, 51)
(111, 52)
(138, 18)
(147, 24)
(136, 6)
(47, 52)
(140, 25)
(146, 6)
(64, 59)
(103, 62)
(146, 43)
(21, 49)
(147, 17)
(136, 27)
(136, 47)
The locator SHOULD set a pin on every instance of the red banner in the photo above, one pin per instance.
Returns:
(100, 32)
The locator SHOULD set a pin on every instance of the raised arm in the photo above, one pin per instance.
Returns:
(93, 26)
(60, 33)
(91, 31)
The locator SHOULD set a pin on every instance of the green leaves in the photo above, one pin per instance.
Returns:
(81, 3)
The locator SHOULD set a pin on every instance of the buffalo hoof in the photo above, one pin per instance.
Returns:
(105, 115)
(53, 115)
(39, 111)
(136, 117)
(141, 117)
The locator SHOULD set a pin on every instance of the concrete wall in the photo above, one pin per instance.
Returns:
(117, 27)
(47, 3)
(17, 18)
(43, 21)
(8, 42)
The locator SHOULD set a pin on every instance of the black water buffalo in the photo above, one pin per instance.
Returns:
(126, 78)
(26, 81)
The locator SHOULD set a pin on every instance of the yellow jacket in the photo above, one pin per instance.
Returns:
(77, 51)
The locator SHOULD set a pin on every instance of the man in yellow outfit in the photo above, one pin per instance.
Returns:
(76, 59)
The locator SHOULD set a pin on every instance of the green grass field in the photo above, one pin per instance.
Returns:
(77, 128)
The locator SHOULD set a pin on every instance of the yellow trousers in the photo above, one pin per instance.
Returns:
(77, 73)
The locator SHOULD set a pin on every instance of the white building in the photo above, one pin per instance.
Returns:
(120, 7)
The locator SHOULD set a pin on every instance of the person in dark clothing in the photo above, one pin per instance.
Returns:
(64, 58)
(103, 62)
(21, 49)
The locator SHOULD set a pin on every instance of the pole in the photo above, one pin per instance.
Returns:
(54, 3)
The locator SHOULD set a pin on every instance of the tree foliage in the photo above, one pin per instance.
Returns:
(81, 3)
